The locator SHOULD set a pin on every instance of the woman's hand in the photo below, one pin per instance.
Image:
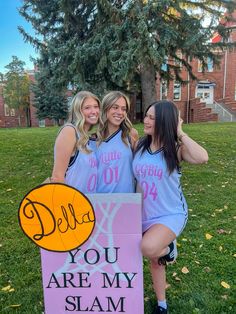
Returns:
(180, 132)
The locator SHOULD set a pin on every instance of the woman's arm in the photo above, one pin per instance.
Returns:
(134, 138)
(64, 148)
(190, 150)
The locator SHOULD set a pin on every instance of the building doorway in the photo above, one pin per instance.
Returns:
(205, 91)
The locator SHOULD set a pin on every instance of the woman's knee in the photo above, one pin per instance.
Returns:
(149, 249)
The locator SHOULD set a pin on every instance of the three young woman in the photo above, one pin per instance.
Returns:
(156, 168)
(105, 166)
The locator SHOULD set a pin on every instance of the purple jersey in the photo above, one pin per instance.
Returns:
(115, 165)
(82, 169)
(162, 193)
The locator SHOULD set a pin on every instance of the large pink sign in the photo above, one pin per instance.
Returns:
(105, 274)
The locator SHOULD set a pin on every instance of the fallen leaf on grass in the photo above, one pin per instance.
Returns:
(225, 297)
(225, 206)
(11, 290)
(184, 239)
(220, 248)
(225, 285)
(207, 269)
(6, 288)
(177, 279)
(185, 270)
(146, 299)
(167, 285)
(15, 305)
(197, 262)
(221, 231)
(8, 190)
(234, 255)
(174, 274)
(208, 236)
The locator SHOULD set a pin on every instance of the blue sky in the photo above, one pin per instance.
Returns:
(11, 41)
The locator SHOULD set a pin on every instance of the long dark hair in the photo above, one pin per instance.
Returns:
(166, 123)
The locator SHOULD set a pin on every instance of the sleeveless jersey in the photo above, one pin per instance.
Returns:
(162, 193)
(115, 166)
(82, 169)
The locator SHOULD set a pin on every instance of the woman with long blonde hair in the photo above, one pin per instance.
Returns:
(116, 141)
(74, 157)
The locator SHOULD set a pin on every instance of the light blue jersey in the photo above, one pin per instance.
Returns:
(115, 165)
(163, 199)
(82, 169)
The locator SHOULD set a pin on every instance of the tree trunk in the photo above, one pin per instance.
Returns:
(28, 117)
(148, 85)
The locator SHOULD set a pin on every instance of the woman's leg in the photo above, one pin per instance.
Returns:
(156, 240)
(159, 279)
(154, 245)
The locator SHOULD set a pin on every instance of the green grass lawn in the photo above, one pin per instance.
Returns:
(203, 265)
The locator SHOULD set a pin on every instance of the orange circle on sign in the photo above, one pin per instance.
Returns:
(56, 217)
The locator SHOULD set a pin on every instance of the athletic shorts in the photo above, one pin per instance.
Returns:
(175, 222)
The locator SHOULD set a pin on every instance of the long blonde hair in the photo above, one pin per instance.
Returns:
(125, 126)
(76, 117)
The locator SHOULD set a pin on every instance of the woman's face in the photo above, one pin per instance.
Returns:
(90, 110)
(149, 122)
(117, 113)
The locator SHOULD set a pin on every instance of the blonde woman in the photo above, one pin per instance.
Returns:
(74, 157)
(117, 138)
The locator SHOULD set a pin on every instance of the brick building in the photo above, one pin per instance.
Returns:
(212, 97)
(17, 118)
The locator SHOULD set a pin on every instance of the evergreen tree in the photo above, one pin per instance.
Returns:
(16, 88)
(100, 45)
(49, 99)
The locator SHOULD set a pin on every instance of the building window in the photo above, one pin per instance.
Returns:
(177, 91)
(12, 112)
(210, 65)
(164, 90)
(6, 110)
(178, 62)
(9, 111)
(164, 66)
(42, 123)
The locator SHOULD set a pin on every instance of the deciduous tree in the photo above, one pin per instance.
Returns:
(16, 88)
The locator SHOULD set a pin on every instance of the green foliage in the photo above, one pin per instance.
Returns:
(100, 45)
(16, 87)
(49, 97)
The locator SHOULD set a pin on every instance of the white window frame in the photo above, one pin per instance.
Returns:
(42, 123)
(210, 65)
(6, 110)
(163, 92)
(177, 62)
(12, 112)
(178, 88)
